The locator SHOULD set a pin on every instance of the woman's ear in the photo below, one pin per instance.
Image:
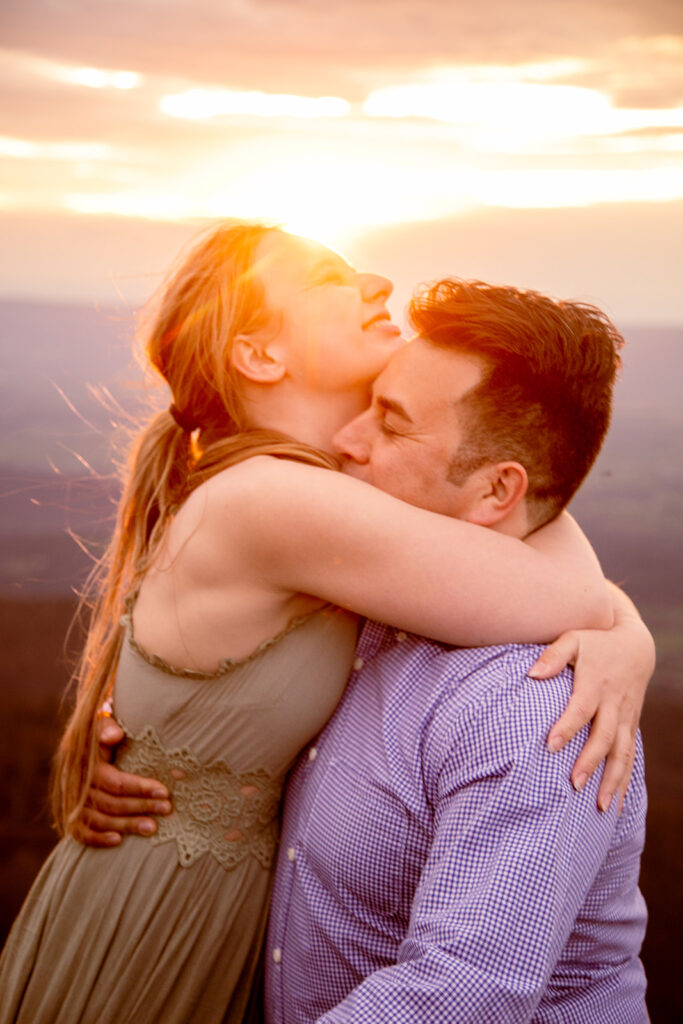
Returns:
(503, 487)
(253, 359)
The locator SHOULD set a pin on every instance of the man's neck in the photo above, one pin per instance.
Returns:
(515, 523)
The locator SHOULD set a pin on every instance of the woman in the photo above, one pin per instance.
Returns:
(233, 567)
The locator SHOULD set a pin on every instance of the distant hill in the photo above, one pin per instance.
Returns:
(68, 378)
(69, 384)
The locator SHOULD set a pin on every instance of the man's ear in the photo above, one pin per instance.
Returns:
(255, 360)
(503, 487)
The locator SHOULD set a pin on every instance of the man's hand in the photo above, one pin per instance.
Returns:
(118, 802)
(612, 670)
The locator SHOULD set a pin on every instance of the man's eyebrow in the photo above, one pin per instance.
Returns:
(391, 405)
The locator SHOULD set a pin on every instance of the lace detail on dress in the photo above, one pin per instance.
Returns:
(214, 810)
(225, 665)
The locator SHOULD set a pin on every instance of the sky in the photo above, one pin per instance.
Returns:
(536, 143)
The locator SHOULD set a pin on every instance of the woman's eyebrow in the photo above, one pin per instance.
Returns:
(331, 263)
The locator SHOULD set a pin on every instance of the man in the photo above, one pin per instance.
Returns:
(435, 862)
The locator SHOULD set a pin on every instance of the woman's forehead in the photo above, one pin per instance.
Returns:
(297, 251)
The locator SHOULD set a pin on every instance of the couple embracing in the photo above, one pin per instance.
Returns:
(446, 850)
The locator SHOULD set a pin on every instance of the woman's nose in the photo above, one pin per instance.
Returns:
(374, 287)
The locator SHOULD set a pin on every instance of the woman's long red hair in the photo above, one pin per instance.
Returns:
(213, 296)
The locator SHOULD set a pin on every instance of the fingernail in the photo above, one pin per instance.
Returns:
(580, 781)
(147, 827)
(113, 838)
(536, 670)
(161, 793)
(163, 807)
(605, 801)
(555, 744)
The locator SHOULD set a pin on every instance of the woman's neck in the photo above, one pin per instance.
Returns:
(311, 417)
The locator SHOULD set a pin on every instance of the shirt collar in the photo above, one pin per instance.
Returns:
(374, 636)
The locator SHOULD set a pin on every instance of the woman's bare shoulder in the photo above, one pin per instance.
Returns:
(268, 475)
(251, 492)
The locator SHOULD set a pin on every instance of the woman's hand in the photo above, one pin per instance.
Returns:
(117, 801)
(612, 670)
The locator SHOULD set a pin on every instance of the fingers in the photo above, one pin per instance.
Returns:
(599, 743)
(96, 829)
(578, 712)
(109, 732)
(119, 804)
(122, 784)
(556, 656)
(123, 807)
(109, 735)
(89, 837)
(623, 788)
(106, 818)
(618, 768)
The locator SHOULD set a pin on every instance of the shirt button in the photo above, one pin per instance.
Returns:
(312, 754)
(358, 664)
(291, 853)
(277, 955)
(401, 636)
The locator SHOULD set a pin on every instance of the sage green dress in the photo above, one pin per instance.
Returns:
(170, 929)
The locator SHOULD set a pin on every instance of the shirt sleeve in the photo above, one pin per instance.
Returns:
(515, 852)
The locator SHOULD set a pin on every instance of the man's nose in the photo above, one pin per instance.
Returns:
(375, 288)
(351, 442)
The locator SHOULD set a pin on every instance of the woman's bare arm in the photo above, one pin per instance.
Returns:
(301, 536)
(613, 668)
(332, 536)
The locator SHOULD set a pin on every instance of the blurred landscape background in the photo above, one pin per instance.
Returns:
(65, 404)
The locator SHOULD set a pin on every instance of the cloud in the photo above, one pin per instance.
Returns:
(635, 72)
(340, 47)
(201, 104)
(61, 77)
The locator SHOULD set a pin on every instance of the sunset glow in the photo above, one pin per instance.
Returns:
(411, 151)
(96, 78)
(26, 149)
(30, 65)
(198, 104)
(519, 106)
(264, 111)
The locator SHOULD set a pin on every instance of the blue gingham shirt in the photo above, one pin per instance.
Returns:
(435, 862)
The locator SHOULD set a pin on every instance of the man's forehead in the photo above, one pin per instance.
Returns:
(421, 372)
(391, 376)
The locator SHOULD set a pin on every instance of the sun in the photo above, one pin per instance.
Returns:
(323, 188)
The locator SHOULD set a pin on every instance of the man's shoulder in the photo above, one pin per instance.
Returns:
(487, 706)
(475, 677)
(462, 679)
